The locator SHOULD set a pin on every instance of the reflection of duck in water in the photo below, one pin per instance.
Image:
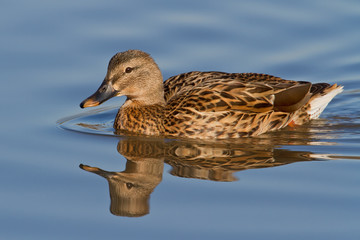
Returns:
(205, 105)
(219, 162)
(130, 189)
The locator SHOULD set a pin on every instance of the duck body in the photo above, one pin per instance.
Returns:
(206, 105)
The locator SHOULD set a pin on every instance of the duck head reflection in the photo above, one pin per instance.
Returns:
(216, 161)
(130, 189)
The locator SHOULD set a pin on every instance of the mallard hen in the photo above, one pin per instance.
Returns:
(205, 105)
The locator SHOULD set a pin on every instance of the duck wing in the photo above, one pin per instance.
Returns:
(248, 92)
(226, 105)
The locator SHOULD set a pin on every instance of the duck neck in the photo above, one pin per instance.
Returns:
(149, 92)
(156, 98)
(138, 117)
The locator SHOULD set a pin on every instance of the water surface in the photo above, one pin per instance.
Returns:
(301, 183)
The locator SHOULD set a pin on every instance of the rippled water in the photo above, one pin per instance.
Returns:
(300, 183)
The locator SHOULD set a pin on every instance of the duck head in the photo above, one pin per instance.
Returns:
(133, 74)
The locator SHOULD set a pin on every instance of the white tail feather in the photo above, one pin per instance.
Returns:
(318, 104)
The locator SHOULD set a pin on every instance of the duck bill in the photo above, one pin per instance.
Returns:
(105, 92)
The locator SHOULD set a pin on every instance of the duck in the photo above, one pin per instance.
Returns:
(205, 105)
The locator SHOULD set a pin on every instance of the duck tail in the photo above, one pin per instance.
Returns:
(321, 95)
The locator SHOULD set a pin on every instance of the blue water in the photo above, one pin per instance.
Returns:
(55, 53)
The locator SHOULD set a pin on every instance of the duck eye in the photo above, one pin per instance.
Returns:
(129, 185)
(128, 69)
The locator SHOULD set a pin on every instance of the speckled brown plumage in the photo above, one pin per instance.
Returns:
(148, 121)
(206, 104)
